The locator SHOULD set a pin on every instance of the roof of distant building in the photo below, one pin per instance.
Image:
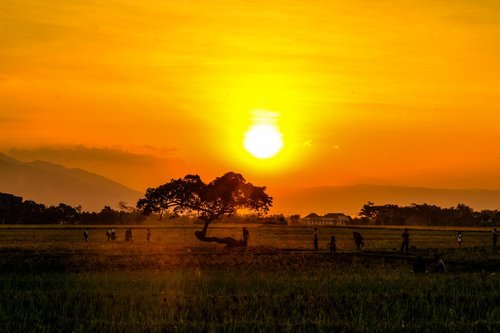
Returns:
(311, 216)
(334, 215)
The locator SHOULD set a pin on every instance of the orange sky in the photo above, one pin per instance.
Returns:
(385, 92)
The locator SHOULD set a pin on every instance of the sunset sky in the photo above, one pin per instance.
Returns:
(362, 92)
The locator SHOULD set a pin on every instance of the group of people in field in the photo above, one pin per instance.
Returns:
(356, 235)
(358, 241)
(405, 244)
(419, 266)
(111, 235)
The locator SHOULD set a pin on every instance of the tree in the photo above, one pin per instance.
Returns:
(369, 211)
(11, 208)
(463, 215)
(61, 214)
(125, 207)
(224, 196)
(33, 212)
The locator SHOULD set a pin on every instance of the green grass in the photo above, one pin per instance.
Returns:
(52, 281)
(322, 299)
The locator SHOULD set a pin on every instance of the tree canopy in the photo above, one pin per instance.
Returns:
(223, 196)
(424, 214)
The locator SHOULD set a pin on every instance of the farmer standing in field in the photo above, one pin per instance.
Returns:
(333, 244)
(459, 239)
(315, 238)
(246, 236)
(86, 235)
(406, 241)
(148, 235)
(128, 235)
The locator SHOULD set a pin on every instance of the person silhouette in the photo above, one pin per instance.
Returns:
(333, 245)
(315, 238)
(246, 236)
(406, 241)
(358, 240)
(128, 235)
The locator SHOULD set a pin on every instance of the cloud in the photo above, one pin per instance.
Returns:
(79, 153)
(307, 143)
(160, 150)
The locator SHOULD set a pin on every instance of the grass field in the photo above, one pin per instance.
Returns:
(52, 281)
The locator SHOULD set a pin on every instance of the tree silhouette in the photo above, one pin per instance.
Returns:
(224, 196)
(33, 212)
(369, 211)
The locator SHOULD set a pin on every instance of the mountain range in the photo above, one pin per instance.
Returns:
(52, 184)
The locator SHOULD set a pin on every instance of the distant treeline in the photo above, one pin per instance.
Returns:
(424, 214)
(15, 210)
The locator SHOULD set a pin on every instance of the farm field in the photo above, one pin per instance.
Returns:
(51, 280)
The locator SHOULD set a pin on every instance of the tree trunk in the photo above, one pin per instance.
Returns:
(229, 241)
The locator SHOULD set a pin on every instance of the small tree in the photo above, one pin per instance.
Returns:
(224, 196)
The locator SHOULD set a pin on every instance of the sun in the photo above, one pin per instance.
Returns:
(263, 140)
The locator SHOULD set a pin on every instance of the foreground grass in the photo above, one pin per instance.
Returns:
(341, 299)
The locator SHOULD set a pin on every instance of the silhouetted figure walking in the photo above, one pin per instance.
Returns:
(148, 234)
(406, 241)
(358, 240)
(315, 238)
(333, 244)
(108, 234)
(113, 234)
(494, 237)
(86, 235)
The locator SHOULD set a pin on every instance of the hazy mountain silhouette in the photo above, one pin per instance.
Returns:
(52, 184)
(350, 199)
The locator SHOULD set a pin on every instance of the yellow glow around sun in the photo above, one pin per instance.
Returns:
(263, 141)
